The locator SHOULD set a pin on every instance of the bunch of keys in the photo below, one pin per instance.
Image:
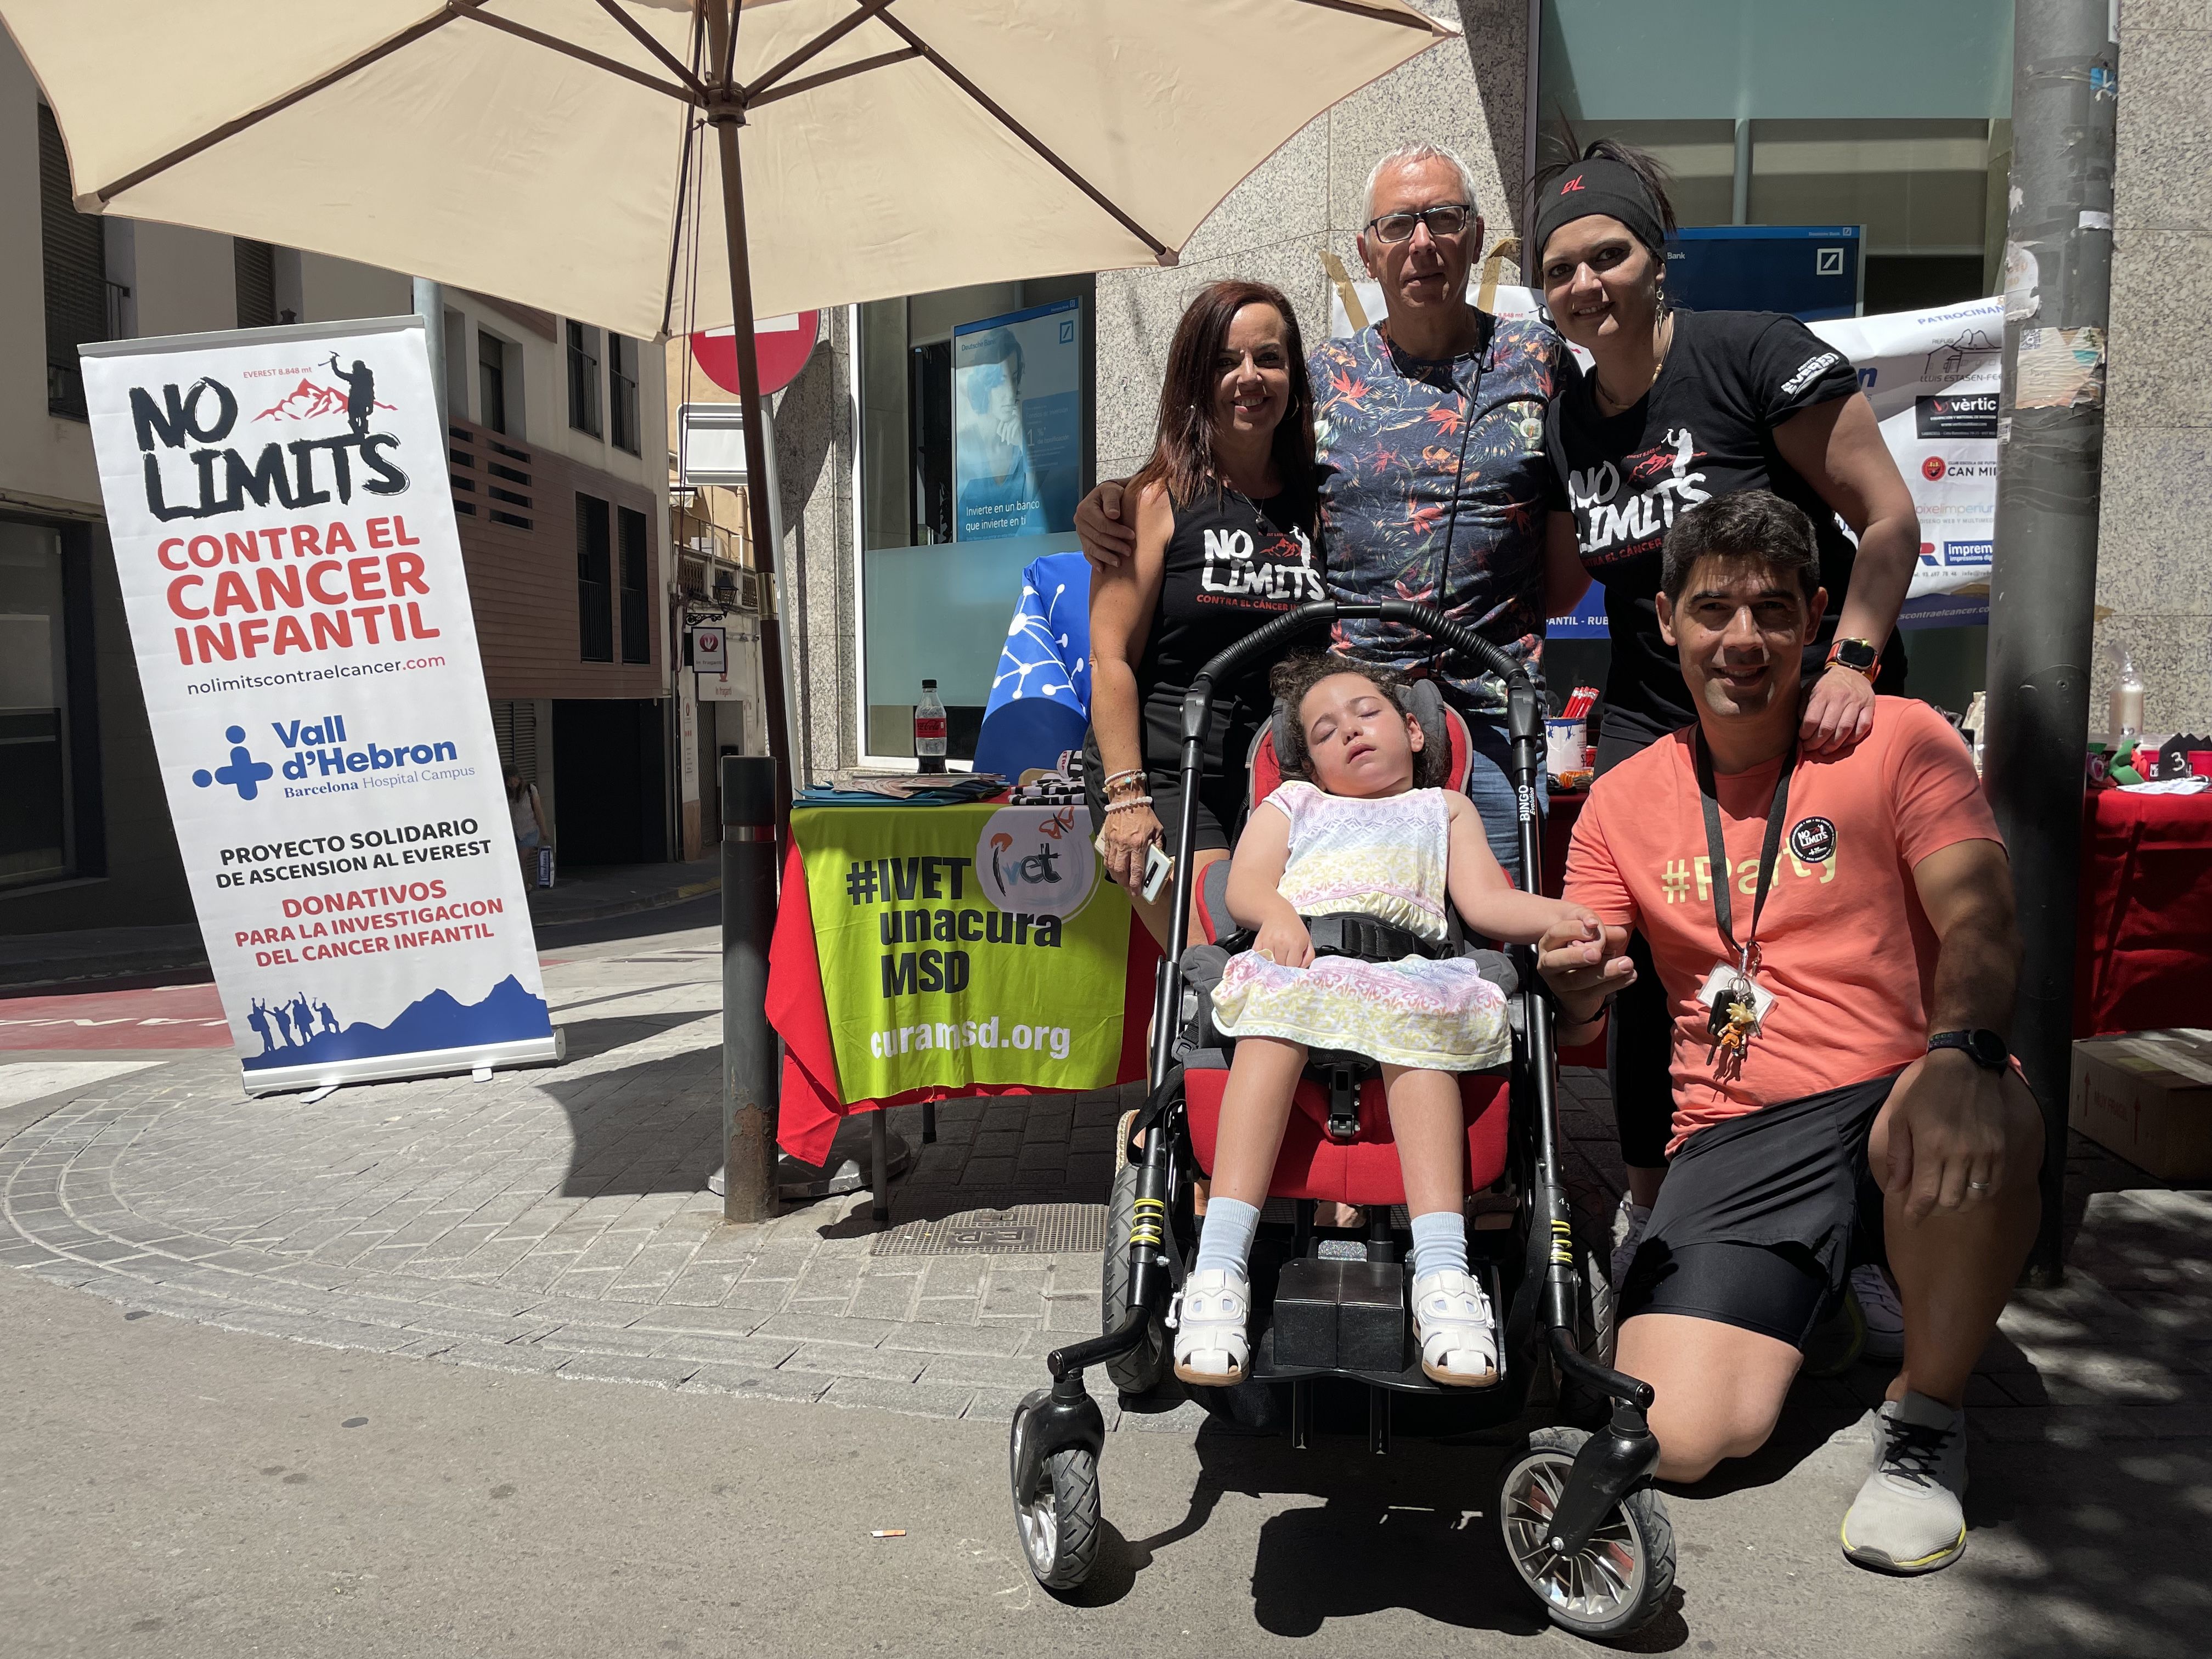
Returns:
(1737, 1005)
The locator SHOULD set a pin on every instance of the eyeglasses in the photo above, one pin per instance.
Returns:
(1445, 219)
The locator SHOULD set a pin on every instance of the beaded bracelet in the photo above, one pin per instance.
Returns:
(1133, 800)
(1115, 779)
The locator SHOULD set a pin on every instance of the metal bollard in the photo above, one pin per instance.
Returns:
(749, 855)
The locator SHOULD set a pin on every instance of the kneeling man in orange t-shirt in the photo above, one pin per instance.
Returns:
(1834, 934)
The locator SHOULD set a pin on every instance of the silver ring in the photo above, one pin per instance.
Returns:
(1978, 1185)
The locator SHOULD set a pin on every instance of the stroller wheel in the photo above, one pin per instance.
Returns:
(1596, 1331)
(1060, 1525)
(1621, 1577)
(1139, 1370)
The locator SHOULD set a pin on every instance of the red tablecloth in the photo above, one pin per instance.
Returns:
(807, 1117)
(2143, 955)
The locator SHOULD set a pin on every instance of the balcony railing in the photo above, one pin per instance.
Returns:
(491, 478)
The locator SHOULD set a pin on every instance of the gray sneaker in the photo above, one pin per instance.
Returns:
(1907, 1517)
(1885, 1314)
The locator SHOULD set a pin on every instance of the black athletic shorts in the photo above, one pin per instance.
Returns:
(1762, 1218)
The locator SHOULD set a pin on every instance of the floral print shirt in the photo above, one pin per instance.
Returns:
(1434, 484)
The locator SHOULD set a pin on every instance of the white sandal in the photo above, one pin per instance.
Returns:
(1457, 1334)
(1211, 1345)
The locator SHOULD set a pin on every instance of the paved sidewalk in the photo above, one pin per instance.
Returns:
(85, 957)
(554, 1221)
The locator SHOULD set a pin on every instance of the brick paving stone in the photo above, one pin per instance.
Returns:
(836, 1359)
(618, 1368)
(912, 1399)
(804, 1386)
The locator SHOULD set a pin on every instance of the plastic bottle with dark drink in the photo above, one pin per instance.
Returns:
(929, 728)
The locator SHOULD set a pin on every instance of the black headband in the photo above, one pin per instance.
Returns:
(1600, 186)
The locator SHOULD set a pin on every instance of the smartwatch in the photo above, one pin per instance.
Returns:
(1984, 1047)
(1857, 655)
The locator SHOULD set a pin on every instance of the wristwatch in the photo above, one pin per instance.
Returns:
(1984, 1047)
(1857, 655)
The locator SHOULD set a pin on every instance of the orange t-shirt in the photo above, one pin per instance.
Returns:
(1843, 943)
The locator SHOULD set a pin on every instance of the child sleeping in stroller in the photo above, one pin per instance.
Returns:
(1355, 833)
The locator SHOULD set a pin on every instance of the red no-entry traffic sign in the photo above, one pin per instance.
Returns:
(783, 345)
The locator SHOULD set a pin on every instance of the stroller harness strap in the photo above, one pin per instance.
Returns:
(1352, 935)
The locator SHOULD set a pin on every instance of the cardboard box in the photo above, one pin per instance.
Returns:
(2147, 1097)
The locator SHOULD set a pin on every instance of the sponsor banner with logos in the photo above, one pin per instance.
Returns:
(1932, 377)
(966, 944)
(285, 542)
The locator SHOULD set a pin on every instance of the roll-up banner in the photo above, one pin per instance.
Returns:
(1933, 379)
(284, 537)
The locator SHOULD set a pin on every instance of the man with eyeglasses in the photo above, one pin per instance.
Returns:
(1430, 428)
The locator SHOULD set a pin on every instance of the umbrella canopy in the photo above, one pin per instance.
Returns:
(549, 151)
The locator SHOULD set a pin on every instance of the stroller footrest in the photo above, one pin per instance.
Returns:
(1340, 1315)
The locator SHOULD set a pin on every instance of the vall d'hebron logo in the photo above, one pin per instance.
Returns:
(320, 749)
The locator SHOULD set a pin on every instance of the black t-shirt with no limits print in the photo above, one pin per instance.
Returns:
(1705, 428)
(1232, 566)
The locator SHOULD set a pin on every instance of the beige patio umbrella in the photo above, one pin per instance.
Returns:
(558, 152)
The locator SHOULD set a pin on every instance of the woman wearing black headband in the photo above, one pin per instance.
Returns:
(1681, 407)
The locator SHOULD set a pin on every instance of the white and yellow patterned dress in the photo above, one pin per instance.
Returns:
(1385, 859)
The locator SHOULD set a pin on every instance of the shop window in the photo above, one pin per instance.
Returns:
(50, 816)
(583, 378)
(977, 442)
(622, 392)
(636, 590)
(595, 595)
(76, 268)
(491, 381)
(255, 264)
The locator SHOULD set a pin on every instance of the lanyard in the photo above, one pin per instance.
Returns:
(1723, 875)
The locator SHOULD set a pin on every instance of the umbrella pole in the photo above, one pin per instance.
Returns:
(749, 1048)
(725, 115)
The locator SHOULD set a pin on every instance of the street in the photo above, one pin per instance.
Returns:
(457, 1367)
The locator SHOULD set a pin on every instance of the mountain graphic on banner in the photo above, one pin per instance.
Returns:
(299, 1033)
(308, 401)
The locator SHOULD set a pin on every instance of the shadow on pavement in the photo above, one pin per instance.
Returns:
(2111, 1491)
(587, 1039)
(655, 1127)
(705, 911)
(1414, 1530)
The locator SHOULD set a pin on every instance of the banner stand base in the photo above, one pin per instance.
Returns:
(389, 1068)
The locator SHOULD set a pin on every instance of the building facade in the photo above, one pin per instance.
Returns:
(1890, 117)
(558, 459)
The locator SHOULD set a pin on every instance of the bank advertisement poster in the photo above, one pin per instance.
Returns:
(284, 535)
(1933, 379)
(1018, 422)
(965, 945)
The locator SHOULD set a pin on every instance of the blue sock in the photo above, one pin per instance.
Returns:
(1439, 1243)
(1224, 1237)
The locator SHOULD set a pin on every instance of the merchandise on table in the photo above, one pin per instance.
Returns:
(851, 786)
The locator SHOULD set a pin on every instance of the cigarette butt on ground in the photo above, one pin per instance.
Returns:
(889, 1532)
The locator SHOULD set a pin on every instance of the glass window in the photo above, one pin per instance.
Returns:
(255, 265)
(35, 760)
(583, 378)
(977, 442)
(622, 381)
(491, 381)
(75, 271)
(595, 596)
(636, 595)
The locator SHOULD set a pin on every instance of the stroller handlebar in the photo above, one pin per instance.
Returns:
(1407, 613)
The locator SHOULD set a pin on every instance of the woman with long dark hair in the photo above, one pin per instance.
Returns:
(1227, 537)
(1680, 406)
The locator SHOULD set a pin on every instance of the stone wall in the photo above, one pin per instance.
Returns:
(2154, 559)
(1467, 95)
